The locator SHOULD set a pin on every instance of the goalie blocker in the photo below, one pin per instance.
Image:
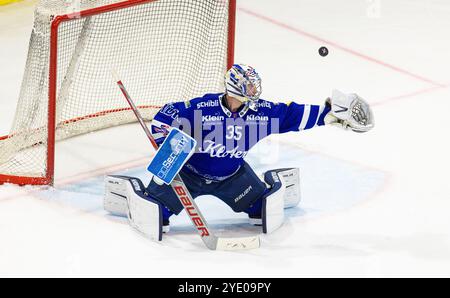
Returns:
(148, 209)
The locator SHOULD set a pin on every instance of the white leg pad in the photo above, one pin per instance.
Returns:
(125, 197)
(145, 216)
(292, 194)
(291, 178)
(273, 205)
(115, 199)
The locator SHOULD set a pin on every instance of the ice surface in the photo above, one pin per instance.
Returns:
(373, 204)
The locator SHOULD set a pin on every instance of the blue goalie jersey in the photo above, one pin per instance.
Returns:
(224, 137)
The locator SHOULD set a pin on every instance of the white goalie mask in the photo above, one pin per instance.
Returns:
(243, 82)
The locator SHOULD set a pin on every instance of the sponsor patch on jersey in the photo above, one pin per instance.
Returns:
(257, 118)
(211, 118)
(263, 104)
(208, 104)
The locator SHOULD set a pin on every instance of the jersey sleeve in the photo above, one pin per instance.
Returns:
(168, 116)
(297, 117)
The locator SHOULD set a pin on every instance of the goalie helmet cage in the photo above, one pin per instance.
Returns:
(166, 50)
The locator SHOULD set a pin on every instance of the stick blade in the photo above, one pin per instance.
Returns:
(241, 243)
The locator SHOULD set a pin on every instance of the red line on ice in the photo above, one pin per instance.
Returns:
(407, 95)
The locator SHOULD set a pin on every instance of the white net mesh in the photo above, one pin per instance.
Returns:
(166, 50)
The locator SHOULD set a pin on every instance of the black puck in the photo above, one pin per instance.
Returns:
(323, 51)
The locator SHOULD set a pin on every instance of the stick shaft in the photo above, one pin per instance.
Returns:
(137, 113)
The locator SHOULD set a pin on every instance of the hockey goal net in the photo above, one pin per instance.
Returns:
(165, 50)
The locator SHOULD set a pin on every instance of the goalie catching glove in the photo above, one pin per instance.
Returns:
(349, 111)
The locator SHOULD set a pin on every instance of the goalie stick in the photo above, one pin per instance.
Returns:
(211, 241)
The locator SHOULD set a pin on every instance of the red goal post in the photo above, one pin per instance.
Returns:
(35, 142)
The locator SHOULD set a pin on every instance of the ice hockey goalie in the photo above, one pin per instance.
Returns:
(226, 126)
